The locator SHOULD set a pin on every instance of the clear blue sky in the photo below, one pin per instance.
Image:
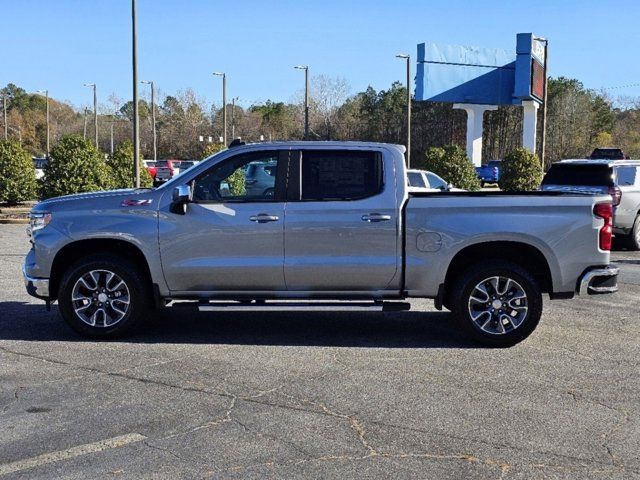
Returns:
(62, 44)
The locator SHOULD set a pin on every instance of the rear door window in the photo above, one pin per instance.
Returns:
(626, 176)
(436, 182)
(340, 175)
(579, 175)
(416, 180)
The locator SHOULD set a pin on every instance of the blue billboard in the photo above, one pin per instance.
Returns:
(475, 75)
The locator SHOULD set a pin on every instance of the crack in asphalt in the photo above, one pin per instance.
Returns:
(12, 401)
(356, 426)
(626, 416)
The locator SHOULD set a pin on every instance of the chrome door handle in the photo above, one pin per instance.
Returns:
(375, 217)
(264, 218)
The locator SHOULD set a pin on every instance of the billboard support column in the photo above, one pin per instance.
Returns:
(475, 117)
(530, 124)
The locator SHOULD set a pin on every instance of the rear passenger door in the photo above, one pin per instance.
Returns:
(341, 223)
(628, 180)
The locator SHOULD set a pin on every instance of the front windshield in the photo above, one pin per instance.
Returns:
(176, 178)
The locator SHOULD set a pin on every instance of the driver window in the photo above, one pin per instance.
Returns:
(244, 178)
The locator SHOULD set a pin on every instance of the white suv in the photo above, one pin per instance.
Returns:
(618, 178)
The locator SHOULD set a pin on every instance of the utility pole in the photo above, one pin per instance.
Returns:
(84, 134)
(136, 122)
(95, 110)
(4, 110)
(407, 57)
(306, 99)
(224, 104)
(46, 94)
(233, 117)
(153, 117)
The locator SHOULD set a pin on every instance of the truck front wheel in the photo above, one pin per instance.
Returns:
(496, 303)
(103, 296)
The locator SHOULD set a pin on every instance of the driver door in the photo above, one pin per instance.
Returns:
(231, 237)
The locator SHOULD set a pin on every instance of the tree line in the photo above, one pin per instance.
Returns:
(578, 120)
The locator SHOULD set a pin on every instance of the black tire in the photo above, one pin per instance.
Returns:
(461, 303)
(633, 240)
(138, 288)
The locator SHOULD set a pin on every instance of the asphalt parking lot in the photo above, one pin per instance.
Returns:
(319, 395)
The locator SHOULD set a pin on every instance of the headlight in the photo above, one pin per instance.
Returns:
(38, 220)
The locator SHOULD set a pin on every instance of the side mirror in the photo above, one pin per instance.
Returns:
(450, 186)
(181, 196)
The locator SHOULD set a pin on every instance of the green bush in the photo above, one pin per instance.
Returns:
(17, 174)
(520, 170)
(75, 166)
(452, 164)
(120, 166)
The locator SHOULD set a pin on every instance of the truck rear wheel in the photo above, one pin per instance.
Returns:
(633, 241)
(496, 303)
(103, 296)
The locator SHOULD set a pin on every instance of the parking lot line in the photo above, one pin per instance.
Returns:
(72, 452)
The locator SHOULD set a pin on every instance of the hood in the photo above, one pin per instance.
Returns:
(83, 197)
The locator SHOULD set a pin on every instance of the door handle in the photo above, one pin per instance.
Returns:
(375, 217)
(264, 218)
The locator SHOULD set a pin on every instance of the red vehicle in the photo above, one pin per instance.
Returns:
(150, 165)
(166, 169)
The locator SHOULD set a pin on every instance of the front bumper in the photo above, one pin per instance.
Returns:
(36, 287)
(599, 280)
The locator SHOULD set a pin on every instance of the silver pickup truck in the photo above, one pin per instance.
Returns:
(331, 221)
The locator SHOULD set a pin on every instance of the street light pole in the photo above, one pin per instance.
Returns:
(46, 94)
(136, 122)
(95, 110)
(306, 99)
(224, 103)
(407, 57)
(112, 122)
(153, 117)
(84, 131)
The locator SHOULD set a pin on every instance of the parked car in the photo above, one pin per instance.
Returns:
(424, 180)
(618, 178)
(150, 165)
(166, 170)
(186, 165)
(340, 225)
(39, 163)
(607, 153)
(260, 179)
(489, 173)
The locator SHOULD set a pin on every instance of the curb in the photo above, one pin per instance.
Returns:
(14, 221)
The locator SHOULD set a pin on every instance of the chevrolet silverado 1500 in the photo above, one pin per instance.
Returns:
(331, 221)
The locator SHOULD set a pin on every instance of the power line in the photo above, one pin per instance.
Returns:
(619, 87)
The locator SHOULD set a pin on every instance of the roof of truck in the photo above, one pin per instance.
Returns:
(602, 161)
(322, 143)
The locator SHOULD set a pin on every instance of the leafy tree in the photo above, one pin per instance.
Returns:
(520, 171)
(144, 110)
(120, 166)
(75, 166)
(211, 148)
(17, 175)
(452, 164)
(602, 139)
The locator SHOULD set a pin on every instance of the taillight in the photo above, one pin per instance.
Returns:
(605, 211)
(616, 194)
